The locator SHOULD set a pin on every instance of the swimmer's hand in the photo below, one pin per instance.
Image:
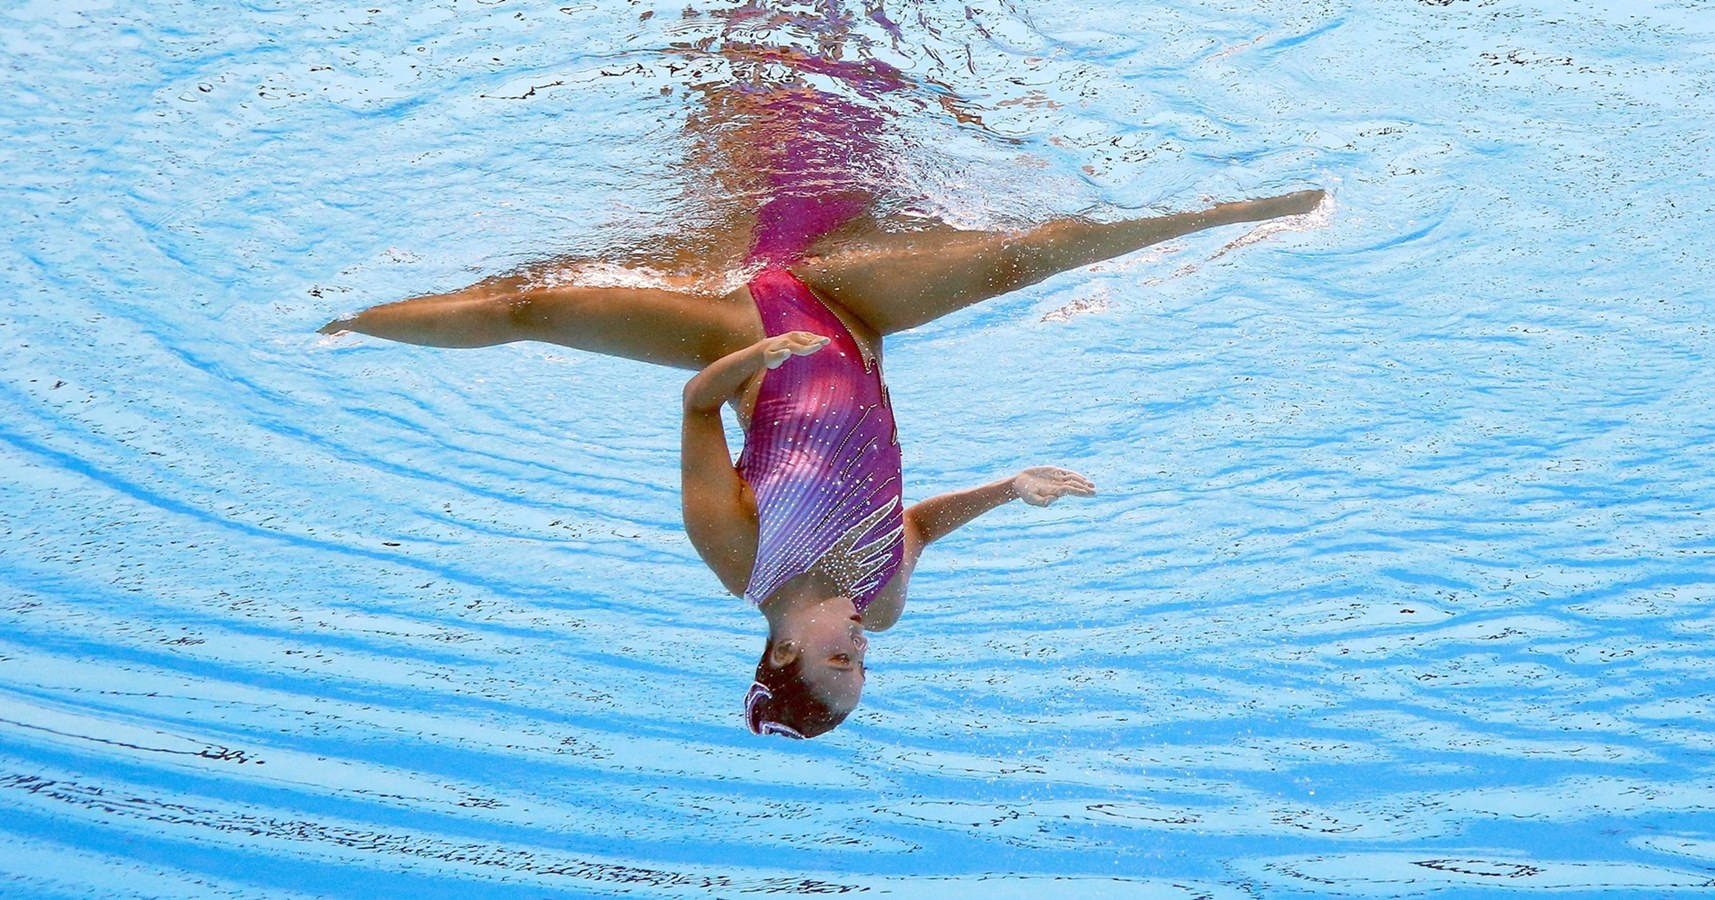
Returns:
(941, 515)
(1042, 485)
(778, 349)
(724, 378)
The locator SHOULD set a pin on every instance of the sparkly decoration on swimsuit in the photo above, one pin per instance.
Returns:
(758, 693)
(822, 456)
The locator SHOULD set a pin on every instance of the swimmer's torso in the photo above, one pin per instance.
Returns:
(821, 453)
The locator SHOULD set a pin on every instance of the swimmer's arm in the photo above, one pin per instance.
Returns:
(719, 515)
(940, 516)
(719, 520)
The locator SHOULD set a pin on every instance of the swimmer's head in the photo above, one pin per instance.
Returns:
(809, 678)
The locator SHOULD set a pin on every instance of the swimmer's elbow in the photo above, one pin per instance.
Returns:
(695, 398)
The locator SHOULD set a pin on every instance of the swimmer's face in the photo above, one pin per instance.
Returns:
(830, 648)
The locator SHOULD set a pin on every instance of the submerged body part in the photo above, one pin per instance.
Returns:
(821, 455)
(785, 323)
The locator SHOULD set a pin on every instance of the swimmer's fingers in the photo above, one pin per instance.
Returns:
(1078, 486)
(777, 349)
(1066, 478)
(1042, 485)
(804, 343)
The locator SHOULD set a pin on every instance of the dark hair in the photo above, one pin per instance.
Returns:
(781, 697)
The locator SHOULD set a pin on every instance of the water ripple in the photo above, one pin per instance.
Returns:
(1397, 584)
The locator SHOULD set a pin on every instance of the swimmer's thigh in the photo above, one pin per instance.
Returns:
(686, 331)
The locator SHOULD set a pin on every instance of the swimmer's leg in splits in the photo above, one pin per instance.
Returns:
(899, 281)
(891, 282)
(670, 328)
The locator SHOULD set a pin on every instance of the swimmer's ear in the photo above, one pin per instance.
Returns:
(782, 653)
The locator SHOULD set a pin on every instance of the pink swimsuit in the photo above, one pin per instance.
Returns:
(821, 455)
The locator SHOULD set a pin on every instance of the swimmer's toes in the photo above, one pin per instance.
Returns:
(1300, 202)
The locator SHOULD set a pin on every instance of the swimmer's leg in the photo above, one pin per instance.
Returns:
(899, 281)
(687, 331)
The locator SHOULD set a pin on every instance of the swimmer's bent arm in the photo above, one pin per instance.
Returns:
(712, 495)
(719, 513)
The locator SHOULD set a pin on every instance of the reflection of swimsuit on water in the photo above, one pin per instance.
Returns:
(821, 455)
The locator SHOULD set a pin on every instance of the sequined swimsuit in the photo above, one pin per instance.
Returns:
(821, 455)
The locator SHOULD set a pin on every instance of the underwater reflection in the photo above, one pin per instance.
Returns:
(782, 316)
(789, 139)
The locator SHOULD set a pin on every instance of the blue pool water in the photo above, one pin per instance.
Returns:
(1401, 579)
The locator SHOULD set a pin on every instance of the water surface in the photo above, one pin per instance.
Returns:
(1399, 581)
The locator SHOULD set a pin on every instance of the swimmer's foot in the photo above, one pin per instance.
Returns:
(1296, 203)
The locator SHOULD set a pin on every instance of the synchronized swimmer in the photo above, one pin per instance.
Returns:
(810, 525)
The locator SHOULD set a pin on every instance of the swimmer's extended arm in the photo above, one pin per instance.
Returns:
(899, 281)
(937, 517)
